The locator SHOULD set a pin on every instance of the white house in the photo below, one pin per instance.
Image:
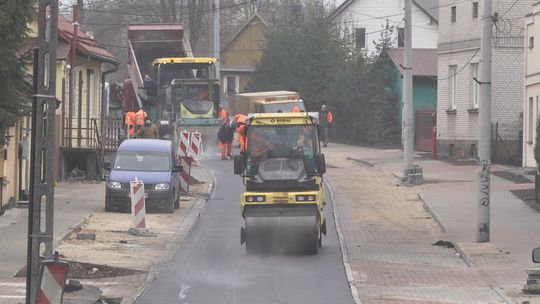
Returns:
(458, 98)
(532, 86)
(365, 19)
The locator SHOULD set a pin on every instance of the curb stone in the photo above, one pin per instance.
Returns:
(68, 231)
(433, 214)
(344, 252)
(196, 209)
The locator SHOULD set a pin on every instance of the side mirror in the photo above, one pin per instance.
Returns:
(238, 164)
(107, 166)
(321, 164)
(178, 168)
(536, 255)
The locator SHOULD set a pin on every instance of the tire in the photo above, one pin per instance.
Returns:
(169, 207)
(108, 206)
(177, 202)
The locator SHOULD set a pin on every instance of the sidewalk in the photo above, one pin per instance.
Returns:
(134, 259)
(394, 252)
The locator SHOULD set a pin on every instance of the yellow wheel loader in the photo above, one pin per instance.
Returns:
(282, 168)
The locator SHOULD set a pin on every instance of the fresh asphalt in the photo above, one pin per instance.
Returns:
(212, 266)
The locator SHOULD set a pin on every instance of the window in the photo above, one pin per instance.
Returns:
(453, 14)
(452, 87)
(475, 87)
(360, 35)
(474, 10)
(231, 84)
(531, 42)
(401, 37)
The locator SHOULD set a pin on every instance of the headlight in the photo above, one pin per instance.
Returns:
(255, 198)
(303, 198)
(114, 185)
(161, 187)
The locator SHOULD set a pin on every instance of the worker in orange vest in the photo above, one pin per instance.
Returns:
(295, 109)
(241, 130)
(325, 122)
(223, 115)
(260, 147)
(129, 120)
(140, 116)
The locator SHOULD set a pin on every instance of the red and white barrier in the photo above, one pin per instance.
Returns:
(138, 211)
(185, 174)
(52, 280)
(195, 145)
(183, 144)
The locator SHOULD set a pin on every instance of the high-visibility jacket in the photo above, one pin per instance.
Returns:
(140, 116)
(223, 115)
(241, 131)
(325, 118)
(130, 118)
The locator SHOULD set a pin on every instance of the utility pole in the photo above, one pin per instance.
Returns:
(484, 142)
(215, 6)
(412, 174)
(40, 226)
(71, 70)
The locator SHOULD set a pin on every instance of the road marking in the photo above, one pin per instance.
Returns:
(182, 293)
(11, 297)
(12, 284)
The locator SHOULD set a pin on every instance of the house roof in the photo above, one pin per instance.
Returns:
(85, 44)
(255, 16)
(429, 7)
(424, 61)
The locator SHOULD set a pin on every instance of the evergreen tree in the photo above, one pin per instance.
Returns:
(303, 58)
(14, 17)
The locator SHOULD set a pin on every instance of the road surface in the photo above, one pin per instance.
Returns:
(212, 266)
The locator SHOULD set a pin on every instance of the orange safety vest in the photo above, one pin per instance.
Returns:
(241, 130)
(139, 117)
(329, 117)
(223, 114)
(296, 109)
(130, 118)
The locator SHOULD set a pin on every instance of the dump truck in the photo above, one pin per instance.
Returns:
(181, 91)
(282, 167)
(266, 102)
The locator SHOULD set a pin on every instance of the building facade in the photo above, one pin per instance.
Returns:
(242, 53)
(366, 19)
(458, 92)
(532, 87)
(78, 118)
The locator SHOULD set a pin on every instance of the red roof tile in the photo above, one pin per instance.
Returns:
(85, 44)
(424, 61)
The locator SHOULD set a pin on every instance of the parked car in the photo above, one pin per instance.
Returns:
(152, 161)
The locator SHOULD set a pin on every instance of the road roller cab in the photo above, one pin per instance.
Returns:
(282, 169)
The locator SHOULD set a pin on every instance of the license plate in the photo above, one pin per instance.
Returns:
(145, 195)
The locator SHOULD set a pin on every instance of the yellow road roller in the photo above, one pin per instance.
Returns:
(282, 167)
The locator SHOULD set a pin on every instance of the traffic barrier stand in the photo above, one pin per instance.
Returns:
(52, 279)
(195, 145)
(138, 209)
(183, 144)
(185, 175)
